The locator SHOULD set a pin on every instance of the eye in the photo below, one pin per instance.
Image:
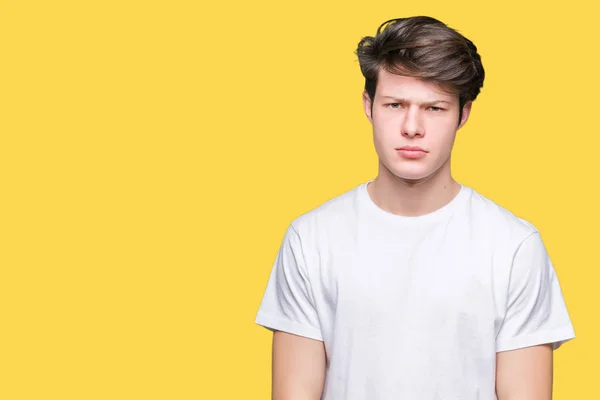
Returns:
(436, 109)
(394, 105)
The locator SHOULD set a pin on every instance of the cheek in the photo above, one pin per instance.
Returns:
(384, 138)
(386, 128)
(444, 145)
(441, 133)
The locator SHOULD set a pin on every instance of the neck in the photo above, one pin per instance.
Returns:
(413, 197)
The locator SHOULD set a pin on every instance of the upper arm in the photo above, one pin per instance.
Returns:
(536, 312)
(525, 374)
(535, 324)
(298, 367)
(288, 303)
(290, 310)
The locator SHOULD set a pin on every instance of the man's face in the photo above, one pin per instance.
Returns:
(414, 126)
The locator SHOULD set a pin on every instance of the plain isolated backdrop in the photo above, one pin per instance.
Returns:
(152, 154)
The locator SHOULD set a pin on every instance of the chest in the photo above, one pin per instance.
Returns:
(411, 284)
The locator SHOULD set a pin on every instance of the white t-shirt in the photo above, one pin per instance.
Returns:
(414, 307)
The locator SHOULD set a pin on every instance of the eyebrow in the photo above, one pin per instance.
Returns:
(401, 100)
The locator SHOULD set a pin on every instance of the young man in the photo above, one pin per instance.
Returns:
(411, 285)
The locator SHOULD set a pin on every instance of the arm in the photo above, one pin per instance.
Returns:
(536, 323)
(525, 374)
(298, 367)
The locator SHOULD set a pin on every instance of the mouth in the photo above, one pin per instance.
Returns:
(411, 152)
(410, 148)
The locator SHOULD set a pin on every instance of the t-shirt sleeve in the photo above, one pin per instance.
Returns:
(536, 310)
(288, 302)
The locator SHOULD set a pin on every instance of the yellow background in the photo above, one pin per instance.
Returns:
(152, 154)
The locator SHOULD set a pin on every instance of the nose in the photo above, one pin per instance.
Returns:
(412, 125)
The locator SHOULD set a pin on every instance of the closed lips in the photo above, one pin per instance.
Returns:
(411, 148)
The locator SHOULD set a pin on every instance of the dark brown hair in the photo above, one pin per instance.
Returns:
(425, 48)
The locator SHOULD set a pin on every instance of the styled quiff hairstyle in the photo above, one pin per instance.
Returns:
(425, 48)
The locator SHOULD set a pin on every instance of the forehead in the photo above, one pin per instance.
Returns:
(389, 84)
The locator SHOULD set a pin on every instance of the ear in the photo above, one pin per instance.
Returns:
(466, 111)
(367, 105)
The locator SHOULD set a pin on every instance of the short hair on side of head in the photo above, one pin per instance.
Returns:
(425, 48)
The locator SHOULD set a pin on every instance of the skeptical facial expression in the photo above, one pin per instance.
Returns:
(414, 125)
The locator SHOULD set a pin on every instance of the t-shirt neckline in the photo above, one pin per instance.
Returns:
(434, 216)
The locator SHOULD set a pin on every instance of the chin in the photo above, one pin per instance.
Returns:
(411, 177)
(411, 170)
(413, 173)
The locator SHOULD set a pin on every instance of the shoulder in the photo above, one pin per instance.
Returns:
(334, 213)
(498, 221)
